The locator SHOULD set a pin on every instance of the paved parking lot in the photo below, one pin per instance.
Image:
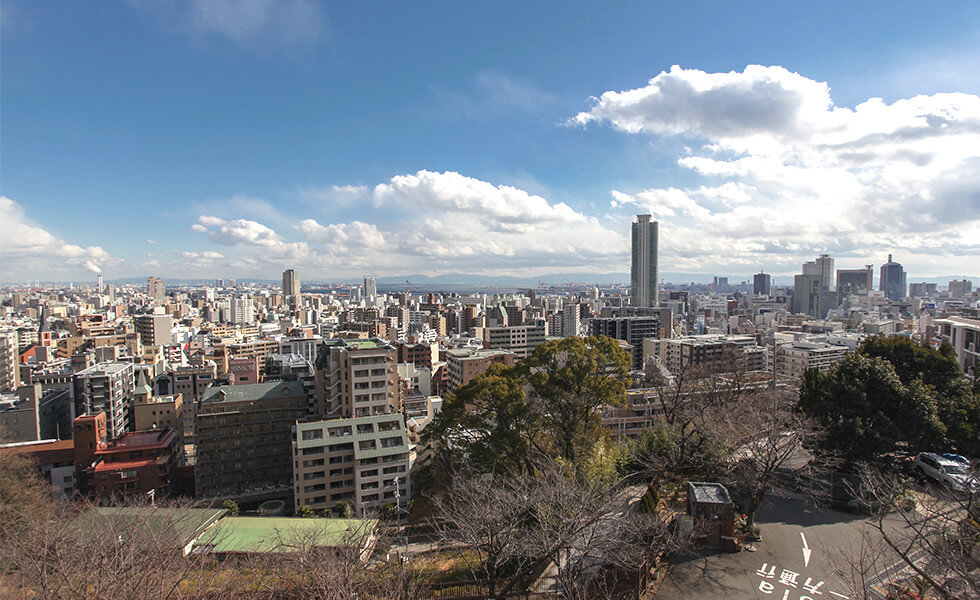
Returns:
(779, 569)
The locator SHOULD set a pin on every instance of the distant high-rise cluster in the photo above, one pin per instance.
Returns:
(320, 398)
(644, 276)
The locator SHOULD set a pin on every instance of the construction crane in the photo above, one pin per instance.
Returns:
(412, 288)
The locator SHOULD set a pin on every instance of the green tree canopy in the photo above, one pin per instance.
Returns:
(867, 410)
(937, 370)
(546, 405)
(570, 379)
(489, 422)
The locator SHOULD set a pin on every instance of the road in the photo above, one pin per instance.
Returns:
(778, 569)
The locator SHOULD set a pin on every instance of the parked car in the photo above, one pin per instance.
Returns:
(947, 472)
(959, 458)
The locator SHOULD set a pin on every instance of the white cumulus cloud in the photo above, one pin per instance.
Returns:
(787, 173)
(238, 231)
(28, 249)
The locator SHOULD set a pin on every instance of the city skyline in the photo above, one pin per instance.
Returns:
(239, 145)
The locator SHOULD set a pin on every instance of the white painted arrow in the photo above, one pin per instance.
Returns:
(806, 551)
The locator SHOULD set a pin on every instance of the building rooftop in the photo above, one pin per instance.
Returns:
(154, 438)
(269, 390)
(105, 368)
(184, 524)
(475, 353)
(709, 493)
(285, 534)
(37, 446)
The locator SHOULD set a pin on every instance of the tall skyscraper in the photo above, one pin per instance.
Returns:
(154, 287)
(644, 280)
(824, 267)
(290, 283)
(370, 289)
(892, 280)
(807, 295)
(761, 284)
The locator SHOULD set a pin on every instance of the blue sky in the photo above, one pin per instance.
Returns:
(190, 138)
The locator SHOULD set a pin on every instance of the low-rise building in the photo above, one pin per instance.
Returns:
(466, 363)
(793, 359)
(131, 465)
(712, 352)
(519, 339)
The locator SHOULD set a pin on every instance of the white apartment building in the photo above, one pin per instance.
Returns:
(106, 387)
(9, 361)
(964, 335)
(364, 461)
(519, 339)
(793, 359)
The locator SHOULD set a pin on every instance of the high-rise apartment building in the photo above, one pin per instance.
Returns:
(761, 284)
(9, 361)
(959, 288)
(290, 283)
(807, 295)
(356, 378)
(633, 325)
(154, 330)
(106, 387)
(644, 278)
(571, 319)
(823, 266)
(370, 288)
(244, 439)
(154, 287)
(242, 311)
(892, 280)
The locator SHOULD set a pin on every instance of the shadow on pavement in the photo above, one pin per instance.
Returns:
(802, 511)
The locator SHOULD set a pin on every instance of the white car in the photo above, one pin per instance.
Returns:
(945, 471)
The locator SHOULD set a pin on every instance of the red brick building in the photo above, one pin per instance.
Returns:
(133, 464)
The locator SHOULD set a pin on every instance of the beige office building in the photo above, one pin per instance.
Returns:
(154, 330)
